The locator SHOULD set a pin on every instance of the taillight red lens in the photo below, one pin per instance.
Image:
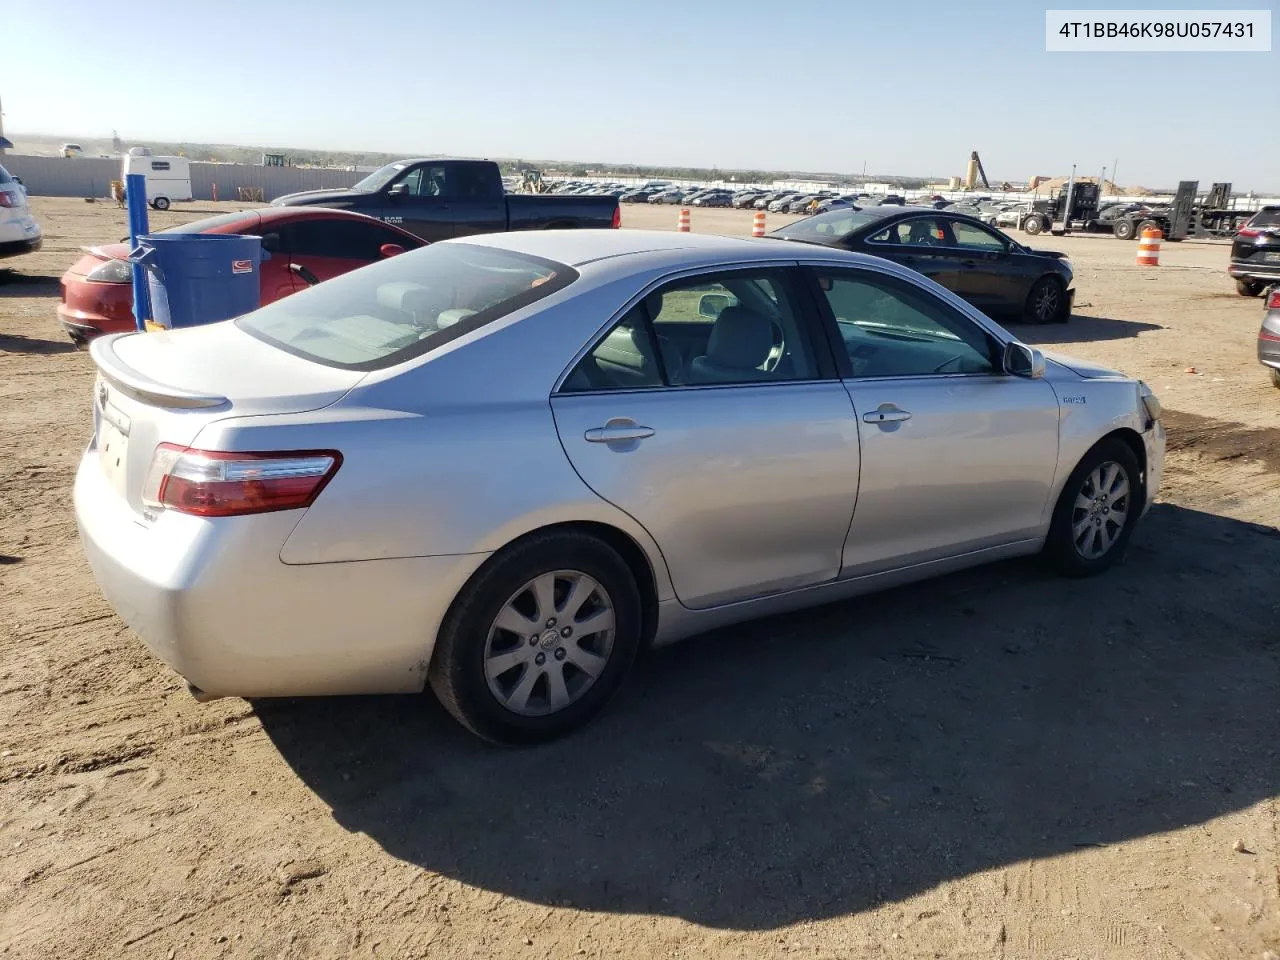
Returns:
(1249, 232)
(218, 483)
(617, 217)
(7, 199)
(1273, 301)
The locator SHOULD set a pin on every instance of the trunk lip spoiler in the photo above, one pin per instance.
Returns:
(141, 387)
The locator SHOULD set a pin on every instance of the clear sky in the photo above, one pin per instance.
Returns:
(906, 88)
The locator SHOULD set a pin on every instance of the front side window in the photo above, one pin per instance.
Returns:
(891, 328)
(972, 237)
(404, 306)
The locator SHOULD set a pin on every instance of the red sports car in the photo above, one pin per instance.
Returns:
(97, 292)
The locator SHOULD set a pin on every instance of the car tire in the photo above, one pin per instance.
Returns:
(1125, 230)
(1248, 288)
(1275, 378)
(160, 203)
(1033, 225)
(472, 646)
(1084, 538)
(1150, 225)
(1046, 302)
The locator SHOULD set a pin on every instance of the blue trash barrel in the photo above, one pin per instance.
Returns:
(199, 278)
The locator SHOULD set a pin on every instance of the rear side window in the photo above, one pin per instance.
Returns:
(1268, 217)
(405, 306)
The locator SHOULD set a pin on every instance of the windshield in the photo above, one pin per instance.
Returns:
(379, 178)
(211, 224)
(826, 227)
(403, 307)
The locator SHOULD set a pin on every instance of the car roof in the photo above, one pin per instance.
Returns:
(641, 250)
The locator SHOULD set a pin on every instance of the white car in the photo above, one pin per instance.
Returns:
(19, 232)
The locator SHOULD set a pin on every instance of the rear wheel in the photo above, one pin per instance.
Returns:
(1275, 378)
(1034, 224)
(1097, 510)
(1248, 288)
(1046, 302)
(160, 203)
(540, 639)
(1125, 230)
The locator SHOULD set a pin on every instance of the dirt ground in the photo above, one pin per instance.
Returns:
(996, 764)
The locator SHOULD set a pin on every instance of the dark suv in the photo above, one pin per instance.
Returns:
(1255, 253)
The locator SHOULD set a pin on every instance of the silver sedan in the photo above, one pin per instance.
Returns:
(501, 466)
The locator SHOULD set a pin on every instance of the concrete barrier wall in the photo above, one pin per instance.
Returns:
(92, 176)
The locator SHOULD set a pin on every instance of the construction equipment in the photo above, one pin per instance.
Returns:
(275, 160)
(973, 171)
(531, 181)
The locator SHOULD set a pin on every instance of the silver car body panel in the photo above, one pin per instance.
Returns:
(741, 508)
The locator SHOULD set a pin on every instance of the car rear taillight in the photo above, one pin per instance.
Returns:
(218, 483)
(1248, 232)
(617, 217)
(8, 198)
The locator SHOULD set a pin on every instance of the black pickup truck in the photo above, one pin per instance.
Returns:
(438, 199)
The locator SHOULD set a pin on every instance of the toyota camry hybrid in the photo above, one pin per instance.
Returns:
(500, 466)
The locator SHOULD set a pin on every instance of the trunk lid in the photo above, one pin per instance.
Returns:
(165, 387)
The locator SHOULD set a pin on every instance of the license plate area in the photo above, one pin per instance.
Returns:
(1271, 256)
(113, 442)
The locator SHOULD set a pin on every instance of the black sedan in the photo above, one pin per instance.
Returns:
(984, 266)
(1255, 253)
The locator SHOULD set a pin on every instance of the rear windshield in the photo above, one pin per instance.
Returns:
(1268, 217)
(402, 307)
(828, 226)
(209, 224)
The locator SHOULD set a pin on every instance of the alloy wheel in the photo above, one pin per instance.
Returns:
(549, 643)
(1100, 511)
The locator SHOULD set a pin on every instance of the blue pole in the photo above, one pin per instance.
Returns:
(135, 188)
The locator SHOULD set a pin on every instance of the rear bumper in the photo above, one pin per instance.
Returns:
(212, 599)
(80, 323)
(1269, 353)
(1247, 270)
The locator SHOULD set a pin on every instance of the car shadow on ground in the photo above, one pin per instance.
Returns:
(1081, 328)
(15, 284)
(821, 763)
(16, 343)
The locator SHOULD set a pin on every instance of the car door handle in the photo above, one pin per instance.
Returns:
(618, 430)
(886, 413)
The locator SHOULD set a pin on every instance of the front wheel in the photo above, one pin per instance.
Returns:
(540, 639)
(1046, 303)
(1124, 230)
(1034, 224)
(1097, 510)
(160, 203)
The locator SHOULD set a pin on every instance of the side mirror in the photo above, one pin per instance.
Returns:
(1023, 361)
(711, 304)
(391, 249)
(398, 190)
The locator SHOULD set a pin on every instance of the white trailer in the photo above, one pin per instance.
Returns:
(168, 178)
